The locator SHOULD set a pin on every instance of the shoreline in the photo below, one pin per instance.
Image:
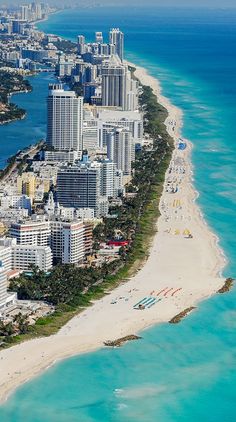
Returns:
(45, 19)
(6, 122)
(147, 79)
(194, 273)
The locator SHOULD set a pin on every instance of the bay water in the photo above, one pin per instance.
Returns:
(19, 134)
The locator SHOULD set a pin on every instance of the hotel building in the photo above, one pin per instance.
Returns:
(68, 241)
(80, 187)
(24, 256)
(114, 83)
(116, 37)
(65, 119)
(31, 232)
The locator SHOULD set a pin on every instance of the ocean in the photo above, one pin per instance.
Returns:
(175, 373)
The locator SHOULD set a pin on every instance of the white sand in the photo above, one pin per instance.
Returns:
(176, 262)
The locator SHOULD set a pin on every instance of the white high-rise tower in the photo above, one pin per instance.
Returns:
(116, 37)
(24, 12)
(120, 149)
(65, 119)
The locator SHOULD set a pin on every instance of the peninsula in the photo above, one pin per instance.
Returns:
(11, 82)
(105, 247)
(179, 272)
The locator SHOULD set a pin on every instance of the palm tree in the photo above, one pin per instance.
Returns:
(6, 330)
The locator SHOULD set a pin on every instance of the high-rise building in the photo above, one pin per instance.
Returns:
(132, 93)
(114, 83)
(36, 55)
(104, 49)
(131, 120)
(6, 299)
(80, 187)
(112, 49)
(65, 119)
(38, 11)
(24, 12)
(119, 183)
(23, 256)
(31, 232)
(90, 132)
(68, 241)
(108, 169)
(3, 287)
(99, 37)
(64, 67)
(120, 149)
(81, 44)
(90, 135)
(89, 89)
(6, 252)
(20, 257)
(116, 37)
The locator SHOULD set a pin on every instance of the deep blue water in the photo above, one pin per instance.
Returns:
(22, 133)
(176, 373)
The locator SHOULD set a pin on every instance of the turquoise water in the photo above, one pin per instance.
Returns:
(176, 373)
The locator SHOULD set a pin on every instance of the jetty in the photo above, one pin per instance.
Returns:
(227, 285)
(177, 318)
(120, 341)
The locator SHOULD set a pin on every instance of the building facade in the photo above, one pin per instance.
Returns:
(114, 83)
(16, 202)
(35, 233)
(80, 187)
(116, 38)
(67, 241)
(24, 256)
(64, 119)
(3, 287)
(121, 149)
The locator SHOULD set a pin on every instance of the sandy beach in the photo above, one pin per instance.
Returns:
(183, 267)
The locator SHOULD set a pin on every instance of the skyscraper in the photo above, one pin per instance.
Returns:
(65, 119)
(114, 83)
(120, 149)
(67, 241)
(31, 232)
(38, 10)
(81, 44)
(80, 187)
(108, 169)
(24, 12)
(116, 37)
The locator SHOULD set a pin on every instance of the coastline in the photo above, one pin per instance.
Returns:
(13, 120)
(10, 94)
(45, 19)
(171, 263)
